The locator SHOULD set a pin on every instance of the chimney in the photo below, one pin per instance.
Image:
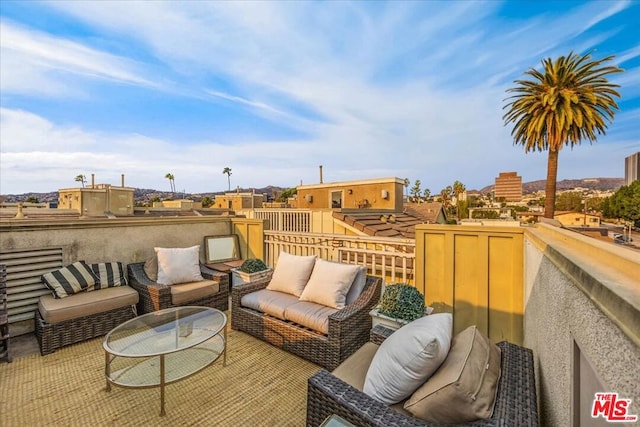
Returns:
(93, 180)
(122, 180)
(320, 174)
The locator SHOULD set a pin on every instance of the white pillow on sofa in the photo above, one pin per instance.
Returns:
(408, 358)
(292, 273)
(329, 283)
(178, 265)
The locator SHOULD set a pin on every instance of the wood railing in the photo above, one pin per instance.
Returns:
(392, 259)
(294, 220)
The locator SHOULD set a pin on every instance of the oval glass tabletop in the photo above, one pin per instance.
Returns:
(165, 331)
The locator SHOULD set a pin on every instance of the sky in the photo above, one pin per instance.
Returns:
(273, 89)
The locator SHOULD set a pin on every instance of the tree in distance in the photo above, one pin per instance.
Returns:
(565, 103)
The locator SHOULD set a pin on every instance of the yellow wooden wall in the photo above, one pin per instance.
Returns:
(251, 237)
(476, 273)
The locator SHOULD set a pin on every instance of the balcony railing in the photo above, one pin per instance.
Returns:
(390, 258)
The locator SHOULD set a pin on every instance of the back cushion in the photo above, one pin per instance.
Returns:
(408, 358)
(329, 283)
(464, 387)
(358, 285)
(111, 274)
(292, 273)
(178, 265)
(70, 279)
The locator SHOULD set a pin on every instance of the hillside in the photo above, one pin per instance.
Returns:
(143, 195)
(600, 184)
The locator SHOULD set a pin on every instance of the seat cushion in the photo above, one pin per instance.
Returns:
(178, 265)
(70, 280)
(186, 292)
(313, 316)
(84, 304)
(354, 368)
(292, 273)
(408, 358)
(464, 387)
(273, 303)
(329, 283)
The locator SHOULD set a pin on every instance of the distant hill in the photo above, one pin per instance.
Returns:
(144, 195)
(600, 184)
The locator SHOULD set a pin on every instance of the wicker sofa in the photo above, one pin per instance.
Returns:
(515, 404)
(154, 296)
(84, 315)
(348, 328)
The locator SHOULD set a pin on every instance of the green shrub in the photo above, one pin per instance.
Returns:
(402, 301)
(253, 266)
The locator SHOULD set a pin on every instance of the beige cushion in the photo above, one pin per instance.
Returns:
(178, 265)
(354, 368)
(313, 316)
(464, 387)
(55, 310)
(408, 358)
(273, 303)
(151, 268)
(329, 283)
(186, 292)
(358, 285)
(292, 273)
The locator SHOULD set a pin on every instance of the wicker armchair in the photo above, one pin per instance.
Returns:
(154, 296)
(348, 330)
(516, 403)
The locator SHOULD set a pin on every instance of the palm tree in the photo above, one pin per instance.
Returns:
(458, 189)
(566, 102)
(227, 170)
(406, 186)
(171, 179)
(81, 179)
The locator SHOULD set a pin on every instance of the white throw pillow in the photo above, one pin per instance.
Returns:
(408, 358)
(292, 273)
(178, 265)
(329, 283)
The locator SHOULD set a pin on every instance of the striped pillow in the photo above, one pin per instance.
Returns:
(110, 275)
(70, 279)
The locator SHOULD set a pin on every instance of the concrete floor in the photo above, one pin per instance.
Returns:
(23, 345)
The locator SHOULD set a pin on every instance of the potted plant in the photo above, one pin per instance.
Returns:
(251, 270)
(400, 304)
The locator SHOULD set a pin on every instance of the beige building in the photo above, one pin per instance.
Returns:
(508, 185)
(577, 219)
(379, 194)
(238, 201)
(98, 199)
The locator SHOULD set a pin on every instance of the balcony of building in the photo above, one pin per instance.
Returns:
(573, 300)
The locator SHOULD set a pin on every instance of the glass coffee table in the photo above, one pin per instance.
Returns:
(163, 347)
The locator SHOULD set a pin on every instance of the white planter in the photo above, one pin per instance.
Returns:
(390, 322)
(240, 277)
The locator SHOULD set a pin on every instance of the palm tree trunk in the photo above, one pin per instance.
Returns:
(550, 185)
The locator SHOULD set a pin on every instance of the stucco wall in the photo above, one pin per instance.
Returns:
(560, 289)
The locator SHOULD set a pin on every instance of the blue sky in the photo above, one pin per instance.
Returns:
(275, 89)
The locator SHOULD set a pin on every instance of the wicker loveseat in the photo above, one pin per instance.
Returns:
(348, 328)
(515, 404)
(154, 296)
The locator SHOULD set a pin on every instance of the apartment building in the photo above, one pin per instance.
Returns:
(508, 186)
(631, 168)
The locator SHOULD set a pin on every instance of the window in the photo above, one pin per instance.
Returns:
(336, 199)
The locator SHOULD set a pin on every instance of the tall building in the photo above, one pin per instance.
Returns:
(631, 168)
(508, 186)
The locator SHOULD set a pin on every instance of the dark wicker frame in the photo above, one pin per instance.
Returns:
(349, 327)
(154, 296)
(52, 336)
(516, 402)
